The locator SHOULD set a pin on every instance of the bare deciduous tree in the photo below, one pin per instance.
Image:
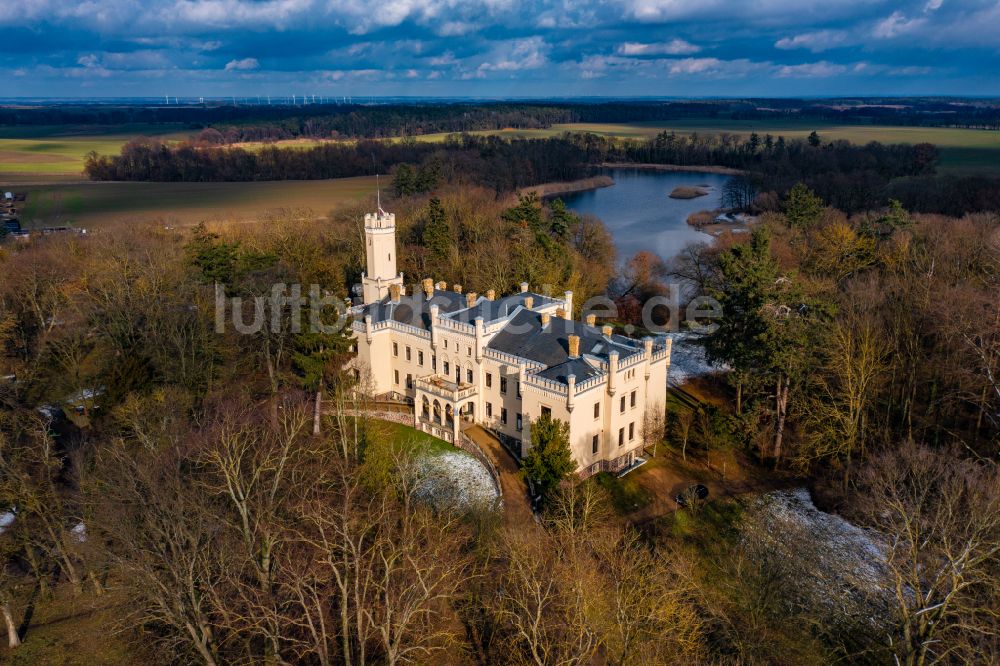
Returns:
(941, 516)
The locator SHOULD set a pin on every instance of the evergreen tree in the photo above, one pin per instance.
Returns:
(814, 139)
(527, 212)
(560, 219)
(437, 232)
(216, 260)
(768, 328)
(802, 207)
(549, 460)
(403, 181)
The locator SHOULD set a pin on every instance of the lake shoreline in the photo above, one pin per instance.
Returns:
(725, 171)
(639, 214)
(549, 190)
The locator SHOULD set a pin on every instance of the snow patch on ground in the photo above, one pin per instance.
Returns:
(455, 480)
(687, 359)
(7, 519)
(843, 566)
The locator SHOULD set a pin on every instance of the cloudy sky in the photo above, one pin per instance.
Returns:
(68, 48)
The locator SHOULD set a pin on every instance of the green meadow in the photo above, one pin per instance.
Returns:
(42, 151)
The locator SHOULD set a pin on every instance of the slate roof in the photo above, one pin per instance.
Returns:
(549, 346)
(523, 335)
(416, 311)
(502, 307)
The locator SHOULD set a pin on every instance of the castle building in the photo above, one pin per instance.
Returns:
(501, 362)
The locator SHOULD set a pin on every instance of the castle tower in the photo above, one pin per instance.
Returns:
(380, 255)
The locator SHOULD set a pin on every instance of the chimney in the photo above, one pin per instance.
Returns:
(470, 299)
(428, 287)
(591, 320)
(442, 285)
(491, 295)
(607, 330)
(524, 287)
(560, 313)
(574, 346)
(545, 319)
(528, 302)
(457, 288)
(394, 293)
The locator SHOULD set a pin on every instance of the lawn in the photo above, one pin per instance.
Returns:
(416, 440)
(42, 151)
(626, 494)
(90, 204)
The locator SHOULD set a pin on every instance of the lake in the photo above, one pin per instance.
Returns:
(640, 215)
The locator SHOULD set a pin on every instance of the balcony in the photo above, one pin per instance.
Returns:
(448, 390)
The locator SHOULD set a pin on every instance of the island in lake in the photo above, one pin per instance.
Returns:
(688, 192)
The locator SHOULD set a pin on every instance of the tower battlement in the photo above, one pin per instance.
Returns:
(380, 220)
(380, 256)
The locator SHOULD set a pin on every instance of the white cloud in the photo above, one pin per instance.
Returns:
(244, 65)
(896, 24)
(692, 65)
(516, 55)
(933, 5)
(811, 70)
(814, 41)
(673, 47)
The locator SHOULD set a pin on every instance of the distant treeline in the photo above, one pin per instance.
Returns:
(484, 160)
(850, 177)
(255, 122)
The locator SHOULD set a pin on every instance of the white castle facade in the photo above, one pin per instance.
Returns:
(501, 362)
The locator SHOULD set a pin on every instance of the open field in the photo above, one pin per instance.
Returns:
(963, 151)
(89, 204)
(59, 150)
(36, 153)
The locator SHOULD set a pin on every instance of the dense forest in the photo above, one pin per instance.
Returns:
(864, 352)
(256, 120)
(850, 177)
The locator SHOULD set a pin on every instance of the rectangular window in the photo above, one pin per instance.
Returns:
(546, 411)
(408, 355)
(468, 351)
(446, 343)
(631, 431)
(519, 425)
(518, 386)
(597, 410)
(420, 357)
(409, 381)
(447, 371)
(395, 349)
(489, 410)
(395, 376)
(489, 380)
(503, 415)
(633, 399)
(503, 385)
(434, 362)
(621, 436)
(468, 375)
(596, 443)
(623, 405)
